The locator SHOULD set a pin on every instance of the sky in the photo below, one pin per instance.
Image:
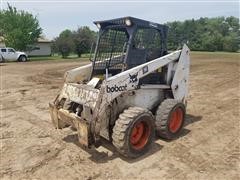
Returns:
(57, 15)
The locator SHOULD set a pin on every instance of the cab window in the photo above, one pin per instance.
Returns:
(148, 39)
(11, 50)
(3, 50)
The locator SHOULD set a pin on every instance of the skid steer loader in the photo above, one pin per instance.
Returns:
(131, 89)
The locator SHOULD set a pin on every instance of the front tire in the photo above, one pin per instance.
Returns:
(22, 58)
(133, 133)
(170, 118)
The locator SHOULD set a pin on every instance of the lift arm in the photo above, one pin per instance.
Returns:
(129, 80)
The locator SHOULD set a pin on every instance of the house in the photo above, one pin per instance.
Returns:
(2, 44)
(41, 48)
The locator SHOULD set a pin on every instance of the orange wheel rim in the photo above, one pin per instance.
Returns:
(139, 135)
(176, 120)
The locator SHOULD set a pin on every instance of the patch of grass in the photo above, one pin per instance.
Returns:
(57, 58)
(44, 58)
(87, 55)
(215, 55)
(195, 54)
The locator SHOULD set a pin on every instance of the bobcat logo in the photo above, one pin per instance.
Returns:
(133, 78)
(116, 88)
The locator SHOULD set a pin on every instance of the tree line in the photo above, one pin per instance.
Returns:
(206, 34)
(21, 29)
(78, 42)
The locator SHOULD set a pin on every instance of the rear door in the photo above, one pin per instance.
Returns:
(4, 53)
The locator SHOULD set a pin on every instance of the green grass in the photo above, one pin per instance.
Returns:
(44, 58)
(56, 58)
(217, 54)
(85, 57)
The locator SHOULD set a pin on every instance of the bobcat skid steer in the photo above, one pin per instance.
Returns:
(131, 89)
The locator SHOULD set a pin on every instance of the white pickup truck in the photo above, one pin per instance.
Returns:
(9, 54)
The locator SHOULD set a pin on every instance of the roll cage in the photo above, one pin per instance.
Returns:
(126, 42)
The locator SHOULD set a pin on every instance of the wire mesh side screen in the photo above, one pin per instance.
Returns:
(150, 40)
(111, 50)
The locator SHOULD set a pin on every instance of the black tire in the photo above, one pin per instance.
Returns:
(170, 117)
(22, 58)
(2, 60)
(126, 129)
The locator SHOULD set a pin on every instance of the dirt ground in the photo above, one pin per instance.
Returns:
(207, 149)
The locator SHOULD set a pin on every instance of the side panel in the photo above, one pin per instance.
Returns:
(181, 77)
(78, 74)
(145, 98)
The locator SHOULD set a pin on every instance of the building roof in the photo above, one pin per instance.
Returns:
(43, 40)
(40, 40)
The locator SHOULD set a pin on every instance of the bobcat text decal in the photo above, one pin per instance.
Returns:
(116, 88)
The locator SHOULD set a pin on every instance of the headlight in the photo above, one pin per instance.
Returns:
(98, 25)
(128, 22)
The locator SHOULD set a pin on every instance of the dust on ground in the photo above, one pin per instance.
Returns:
(207, 149)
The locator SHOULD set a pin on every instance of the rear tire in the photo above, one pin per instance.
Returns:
(2, 60)
(22, 58)
(133, 133)
(170, 118)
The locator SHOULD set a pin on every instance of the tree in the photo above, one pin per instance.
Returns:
(206, 34)
(19, 28)
(64, 43)
(83, 39)
(232, 42)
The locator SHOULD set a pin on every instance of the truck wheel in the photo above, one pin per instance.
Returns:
(170, 118)
(22, 58)
(133, 132)
(2, 60)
